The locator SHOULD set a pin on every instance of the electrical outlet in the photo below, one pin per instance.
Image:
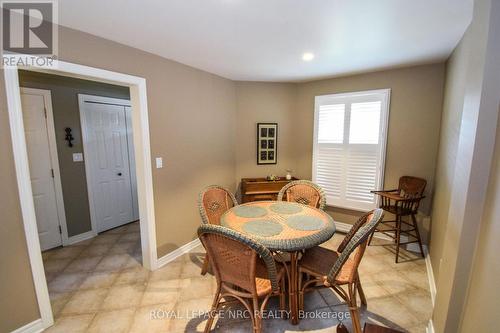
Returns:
(159, 162)
(77, 157)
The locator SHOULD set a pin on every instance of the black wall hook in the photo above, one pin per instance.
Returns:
(69, 137)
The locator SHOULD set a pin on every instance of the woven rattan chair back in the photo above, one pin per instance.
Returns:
(359, 223)
(304, 192)
(356, 246)
(234, 257)
(213, 202)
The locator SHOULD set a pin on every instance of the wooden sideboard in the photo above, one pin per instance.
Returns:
(258, 189)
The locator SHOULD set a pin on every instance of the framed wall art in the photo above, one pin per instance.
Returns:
(267, 143)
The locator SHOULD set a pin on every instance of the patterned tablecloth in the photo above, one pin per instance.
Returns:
(281, 226)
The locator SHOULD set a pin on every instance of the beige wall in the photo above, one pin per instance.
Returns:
(66, 112)
(416, 105)
(192, 126)
(192, 121)
(18, 305)
(196, 120)
(260, 102)
(483, 304)
(463, 302)
(448, 143)
(414, 120)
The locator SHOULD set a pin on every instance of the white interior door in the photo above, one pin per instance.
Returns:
(108, 163)
(34, 103)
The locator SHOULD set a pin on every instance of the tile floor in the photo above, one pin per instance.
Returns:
(99, 285)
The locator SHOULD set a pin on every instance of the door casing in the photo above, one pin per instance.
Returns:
(140, 124)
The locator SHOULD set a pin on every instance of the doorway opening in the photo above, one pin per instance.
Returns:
(143, 231)
(82, 145)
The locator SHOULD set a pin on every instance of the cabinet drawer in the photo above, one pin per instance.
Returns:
(260, 189)
(260, 197)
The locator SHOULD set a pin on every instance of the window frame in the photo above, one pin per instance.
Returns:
(385, 96)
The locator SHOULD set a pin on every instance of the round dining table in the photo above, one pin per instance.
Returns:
(282, 227)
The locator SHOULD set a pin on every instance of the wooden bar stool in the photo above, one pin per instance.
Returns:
(401, 202)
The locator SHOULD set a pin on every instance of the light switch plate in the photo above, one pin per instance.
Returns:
(159, 162)
(77, 157)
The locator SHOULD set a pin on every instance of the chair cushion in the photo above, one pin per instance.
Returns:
(319, 261)
(262, 281)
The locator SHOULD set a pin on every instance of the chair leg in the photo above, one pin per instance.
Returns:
(301, 291)
(206, 263)
(361, 293)
(418, 235)
(282, 295)
(356, 323)
(257, 317)
(398, 236)
(353, 308)
(213, 310)
(371, 237)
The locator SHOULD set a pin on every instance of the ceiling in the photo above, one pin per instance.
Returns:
(264, 40)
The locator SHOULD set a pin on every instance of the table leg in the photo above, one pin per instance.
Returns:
(293, 288)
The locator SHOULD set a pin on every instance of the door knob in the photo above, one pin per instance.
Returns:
(119, 173)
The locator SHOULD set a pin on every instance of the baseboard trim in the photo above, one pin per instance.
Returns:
(345, 227)
(35, 326)
(430, 327)
(412, 247)
(430, 275)
(342, 227)
(178, 252)
(80, 237)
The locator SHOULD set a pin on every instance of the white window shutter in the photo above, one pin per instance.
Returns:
(349, 147)
(362, 167)
(329, 161)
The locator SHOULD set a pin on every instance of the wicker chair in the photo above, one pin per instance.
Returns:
(314, 254)
(245, 271)
(214, 201)
(401, 202)
(304, 192)
(330, 269)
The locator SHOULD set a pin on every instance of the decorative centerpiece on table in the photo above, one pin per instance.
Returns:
(272, 178)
